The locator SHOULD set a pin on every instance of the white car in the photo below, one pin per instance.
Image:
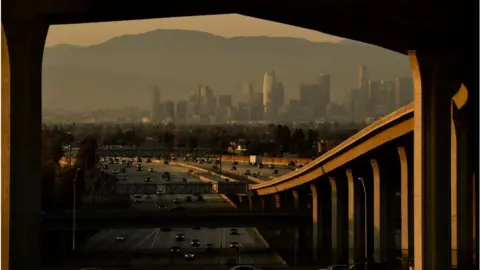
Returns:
(189, 256)
(150, 169)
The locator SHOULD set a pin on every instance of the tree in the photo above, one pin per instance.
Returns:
(87, 154)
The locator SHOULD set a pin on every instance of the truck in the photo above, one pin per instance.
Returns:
(255, 159)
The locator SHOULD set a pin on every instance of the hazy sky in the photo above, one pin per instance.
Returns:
(222, 25)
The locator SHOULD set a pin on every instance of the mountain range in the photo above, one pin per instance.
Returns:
(122, 71)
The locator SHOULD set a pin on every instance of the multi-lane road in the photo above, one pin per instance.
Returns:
(262, 173)
(161, 240)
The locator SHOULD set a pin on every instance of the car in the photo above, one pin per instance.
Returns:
(114, 171)
(189, 256)
(260, 165)
(183, 180)
(209, 247)
(162, 206)
(234, 245)
(190, 171)
(139, 169)
(247, 172)
(120, 238)
(180, 237)
(148, 197)
(234, 168)
(215, 167)
(235, 163)
(188, 198)
(150, 169)
(175, 250)
(291, 163)
(122, 170)
(168, 179)
(254, 174)
(139, 160)
(165, 162)
(275, 171)
(165, 174)
(176, 200)
(199, 198)
(165, 229)
(148, 160)
(123, 178)
(271, 166)
(173, 158)
(148, 179)
(195, 243)
(137, 198)
(233, 232)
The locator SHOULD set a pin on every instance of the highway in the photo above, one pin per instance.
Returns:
(264, 173)
(161, 240)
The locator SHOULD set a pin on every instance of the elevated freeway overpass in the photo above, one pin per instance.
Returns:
(442, 44)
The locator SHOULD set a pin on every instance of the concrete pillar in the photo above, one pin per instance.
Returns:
(21, 131)
(334, 219)
(405, 205)
(351, 217)
(295, 200)
(250, 202)
(277, 201)
(383, 213)
(461, 183)
(316, 224)
(435, 82)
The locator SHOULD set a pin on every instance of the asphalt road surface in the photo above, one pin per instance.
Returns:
(161, 240)
(264, 173)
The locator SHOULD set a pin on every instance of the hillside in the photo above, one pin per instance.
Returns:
(121, 71)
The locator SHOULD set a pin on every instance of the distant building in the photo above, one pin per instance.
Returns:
(225, 101)
(248, 93)
(269, 85)
(155, 105)
(403, 91)
(181, 112)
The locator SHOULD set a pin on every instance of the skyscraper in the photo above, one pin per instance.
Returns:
(279, 94)
(248, 93)
(363, 78)
(403, 91)
(224, 101)
(269, 95)
(155, 105)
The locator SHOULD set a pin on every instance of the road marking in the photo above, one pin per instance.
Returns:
(154, 239)
(144, 239)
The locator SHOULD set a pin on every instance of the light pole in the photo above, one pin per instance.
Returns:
(70, 156)
(365, 210)
(74, 225)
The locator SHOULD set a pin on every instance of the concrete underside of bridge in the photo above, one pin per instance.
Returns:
(443, 35)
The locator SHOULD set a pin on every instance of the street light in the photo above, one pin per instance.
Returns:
(365, 210)
(74, 225)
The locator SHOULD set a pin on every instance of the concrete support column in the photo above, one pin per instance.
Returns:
(435, 82)
(406, 205)
(355, 220)
(295, 200)
(334, 219)
(316, 223)
(277, 201)
(383, 214)
(462, 196)
(250, 203)
(21, 129)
